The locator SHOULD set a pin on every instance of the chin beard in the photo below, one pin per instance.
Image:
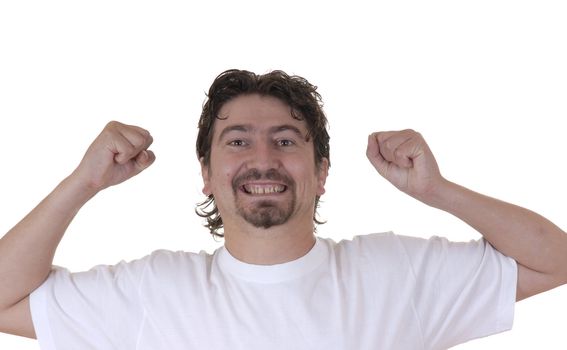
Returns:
(267, 214)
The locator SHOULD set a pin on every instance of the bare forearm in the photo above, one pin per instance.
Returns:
(529, 238)
(27, 250)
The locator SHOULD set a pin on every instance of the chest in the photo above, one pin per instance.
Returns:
(324, 311)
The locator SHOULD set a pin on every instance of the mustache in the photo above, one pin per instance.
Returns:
(255, 175)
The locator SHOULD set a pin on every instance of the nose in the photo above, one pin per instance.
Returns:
(264, 157)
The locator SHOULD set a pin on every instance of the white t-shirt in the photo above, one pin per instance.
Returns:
(379, 291)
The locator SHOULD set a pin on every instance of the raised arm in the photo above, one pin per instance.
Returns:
(27, 250)
(538, 246)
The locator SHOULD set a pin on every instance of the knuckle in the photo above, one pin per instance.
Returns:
(147, 138)
(140, 140)
(113, 124)
(410, 133)
(399, 153)
(137, 141)
(141, 131)
(145, 132)
(143, 138)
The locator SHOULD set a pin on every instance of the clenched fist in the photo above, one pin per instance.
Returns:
(404, 159)
(117, 154)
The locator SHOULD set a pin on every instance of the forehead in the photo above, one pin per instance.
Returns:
(257, 110)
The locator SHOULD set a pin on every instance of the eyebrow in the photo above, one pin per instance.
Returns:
(285, 127)
(272, 130)
(239, 127)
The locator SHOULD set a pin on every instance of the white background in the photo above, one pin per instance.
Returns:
(485, 82)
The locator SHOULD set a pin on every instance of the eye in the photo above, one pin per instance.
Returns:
(285, 143)
(237, 143)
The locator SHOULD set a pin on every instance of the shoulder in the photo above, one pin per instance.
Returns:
(166, 264)
(392, 241)
(390, 246)
(375, 248)
(130, 272)
(369, 243)
(168, 257)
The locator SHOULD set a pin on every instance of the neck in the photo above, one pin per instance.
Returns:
(275, 245)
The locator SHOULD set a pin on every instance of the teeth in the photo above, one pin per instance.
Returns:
(258, 189)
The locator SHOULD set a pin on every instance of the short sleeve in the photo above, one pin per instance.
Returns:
(96, 309)
(463, 290)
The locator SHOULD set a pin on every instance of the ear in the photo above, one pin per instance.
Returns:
(205, 174)
(323, 172)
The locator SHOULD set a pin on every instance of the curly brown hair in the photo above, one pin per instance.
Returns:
(305, 102)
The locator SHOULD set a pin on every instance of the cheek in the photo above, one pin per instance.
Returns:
(305, 178)
(222, 178)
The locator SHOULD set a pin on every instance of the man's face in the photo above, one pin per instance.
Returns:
(262, 168)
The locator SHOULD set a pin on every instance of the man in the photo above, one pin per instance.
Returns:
(264, 154)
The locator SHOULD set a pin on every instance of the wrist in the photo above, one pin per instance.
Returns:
(442, 195)
(77, 189)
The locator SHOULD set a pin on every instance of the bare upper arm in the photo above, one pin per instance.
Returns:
(531, 282)
(17, 320)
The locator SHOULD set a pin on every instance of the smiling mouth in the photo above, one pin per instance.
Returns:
(258, 189)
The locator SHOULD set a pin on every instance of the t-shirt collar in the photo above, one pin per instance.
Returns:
(272, 273)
